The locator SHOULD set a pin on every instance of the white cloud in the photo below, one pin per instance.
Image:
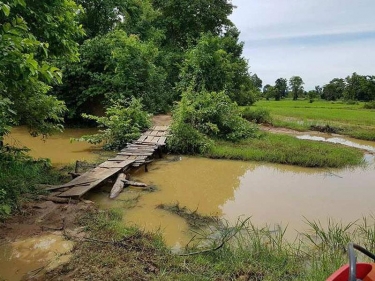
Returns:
(286, 37)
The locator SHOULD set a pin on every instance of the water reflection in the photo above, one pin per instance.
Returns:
(365, 145)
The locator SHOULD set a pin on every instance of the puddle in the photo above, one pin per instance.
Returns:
(360, 144)
(32, 255)
(57, 147)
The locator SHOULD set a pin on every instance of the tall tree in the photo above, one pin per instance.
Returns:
(268, 91)
(182, 23)
(319, 91)
(103, 16)
(184, 20)
(281, 88)
(359, 87)
(216, 64)
(31, 35)
(334, 89)
(296, 85)
(257, 82)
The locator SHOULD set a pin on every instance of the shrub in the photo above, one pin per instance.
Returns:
(257, 115)
(369, 105)
(122, 124)
(204, 115)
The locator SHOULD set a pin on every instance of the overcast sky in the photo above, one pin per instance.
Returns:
(315, 39)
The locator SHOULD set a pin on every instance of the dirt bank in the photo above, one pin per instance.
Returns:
(162, 120)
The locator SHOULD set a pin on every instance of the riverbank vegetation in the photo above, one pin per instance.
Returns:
(212, 125)
(288, 150)
(20, 179)
(121, 124)
(112, 251)
(348, 119)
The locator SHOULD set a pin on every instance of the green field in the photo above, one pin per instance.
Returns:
(348, 119)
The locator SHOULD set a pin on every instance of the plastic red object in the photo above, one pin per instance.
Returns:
(365, 272)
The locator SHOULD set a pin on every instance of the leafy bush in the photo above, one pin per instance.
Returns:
(204, 115)
(369, 105)
(257, 115)
(122, 124)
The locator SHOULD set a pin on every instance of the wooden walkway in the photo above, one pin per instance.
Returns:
(134, 154)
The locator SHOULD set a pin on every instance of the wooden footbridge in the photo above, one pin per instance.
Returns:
(135, 154)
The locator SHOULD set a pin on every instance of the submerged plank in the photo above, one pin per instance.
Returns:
(118, 186)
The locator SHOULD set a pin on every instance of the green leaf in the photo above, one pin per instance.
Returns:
(6, 9)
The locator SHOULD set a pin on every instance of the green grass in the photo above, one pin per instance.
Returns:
(115, 252)
(285, 149)
(350, 119)
(20, 175)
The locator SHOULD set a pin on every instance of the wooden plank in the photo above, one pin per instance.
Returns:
(115, 164)
(134, 183)
(142, 138)
(132, 157)
(119, 158)
(140, 148)
(162, 140)
(118, 186)
(137, 150)
(134, 145)
(148, 139)
(85, 178)
(146, 143)
(140, 153)
(155, 140)
(141, 158)
(101, 175)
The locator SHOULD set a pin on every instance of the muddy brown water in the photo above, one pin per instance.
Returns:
(58, 147)
(32, 255)
(272, 195)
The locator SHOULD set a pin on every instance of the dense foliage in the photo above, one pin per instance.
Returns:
(215, 64)
(114, 67)
(204, 115)
(121, 124)
(154, 50)
(32, 35)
